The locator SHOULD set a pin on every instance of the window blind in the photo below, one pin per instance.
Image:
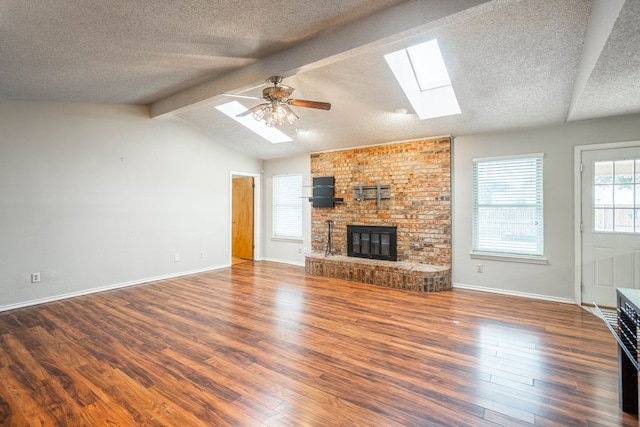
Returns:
(287, 206)
(507, 205)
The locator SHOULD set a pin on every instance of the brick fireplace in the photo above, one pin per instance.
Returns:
(416, 177)
(372, 242)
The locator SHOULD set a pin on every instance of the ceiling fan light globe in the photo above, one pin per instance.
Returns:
(289, 115)
(259, 113)
(275, 114)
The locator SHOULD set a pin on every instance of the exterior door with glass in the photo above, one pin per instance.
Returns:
(610, 225)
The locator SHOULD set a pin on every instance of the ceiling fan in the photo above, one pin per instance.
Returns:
(276, 110)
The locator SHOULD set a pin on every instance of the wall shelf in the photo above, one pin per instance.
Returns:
(324, 192)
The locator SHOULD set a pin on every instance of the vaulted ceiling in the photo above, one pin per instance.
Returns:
(513, 63)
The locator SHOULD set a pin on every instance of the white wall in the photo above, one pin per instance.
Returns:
(291, 252)
(556, 279)
(97, 196)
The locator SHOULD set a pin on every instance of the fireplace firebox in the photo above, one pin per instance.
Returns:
(367, 241)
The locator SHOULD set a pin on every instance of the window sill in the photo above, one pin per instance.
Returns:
(287, 239)
(509, 258)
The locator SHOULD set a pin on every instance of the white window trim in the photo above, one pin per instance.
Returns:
(508, 257)
(276, 237)
(287, 239)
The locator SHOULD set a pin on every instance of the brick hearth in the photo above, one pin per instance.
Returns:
(406, 275)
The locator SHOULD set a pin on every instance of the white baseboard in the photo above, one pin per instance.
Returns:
(187, 273)
(104, 288)
(284, 261)
(514, 293)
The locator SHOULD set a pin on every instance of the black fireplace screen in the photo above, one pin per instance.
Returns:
(366, 241)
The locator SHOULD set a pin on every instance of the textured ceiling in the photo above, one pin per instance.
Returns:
(513, 63)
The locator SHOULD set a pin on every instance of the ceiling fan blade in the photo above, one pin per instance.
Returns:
(310, 104)
(244, 113)
(235, 95)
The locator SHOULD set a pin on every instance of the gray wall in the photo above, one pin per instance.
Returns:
(288, 251)
(99, 196)
(554, 280)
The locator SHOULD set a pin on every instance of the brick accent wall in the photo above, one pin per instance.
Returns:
(419, 173)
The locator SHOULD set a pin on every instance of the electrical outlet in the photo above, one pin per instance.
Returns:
(201, 254)
(299, 250)
(35, 277)
(479, 268)
(176, 257)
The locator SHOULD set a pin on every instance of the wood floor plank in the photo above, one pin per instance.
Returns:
(23, 401)
(115, 403)
(264, 344)
(14, 408)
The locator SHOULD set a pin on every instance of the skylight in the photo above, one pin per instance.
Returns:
(271, 134)
(423, 76)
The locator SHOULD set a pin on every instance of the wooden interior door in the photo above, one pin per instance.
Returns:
(242, 217)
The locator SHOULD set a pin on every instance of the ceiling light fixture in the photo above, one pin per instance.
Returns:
(274, 113)
(276, 110)
(236, 111)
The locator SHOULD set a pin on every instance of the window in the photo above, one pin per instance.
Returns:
(287, 206)
(422, 75)
(616, 196)
(507, 206)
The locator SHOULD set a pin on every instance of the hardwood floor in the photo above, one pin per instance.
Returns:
(262, 344)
